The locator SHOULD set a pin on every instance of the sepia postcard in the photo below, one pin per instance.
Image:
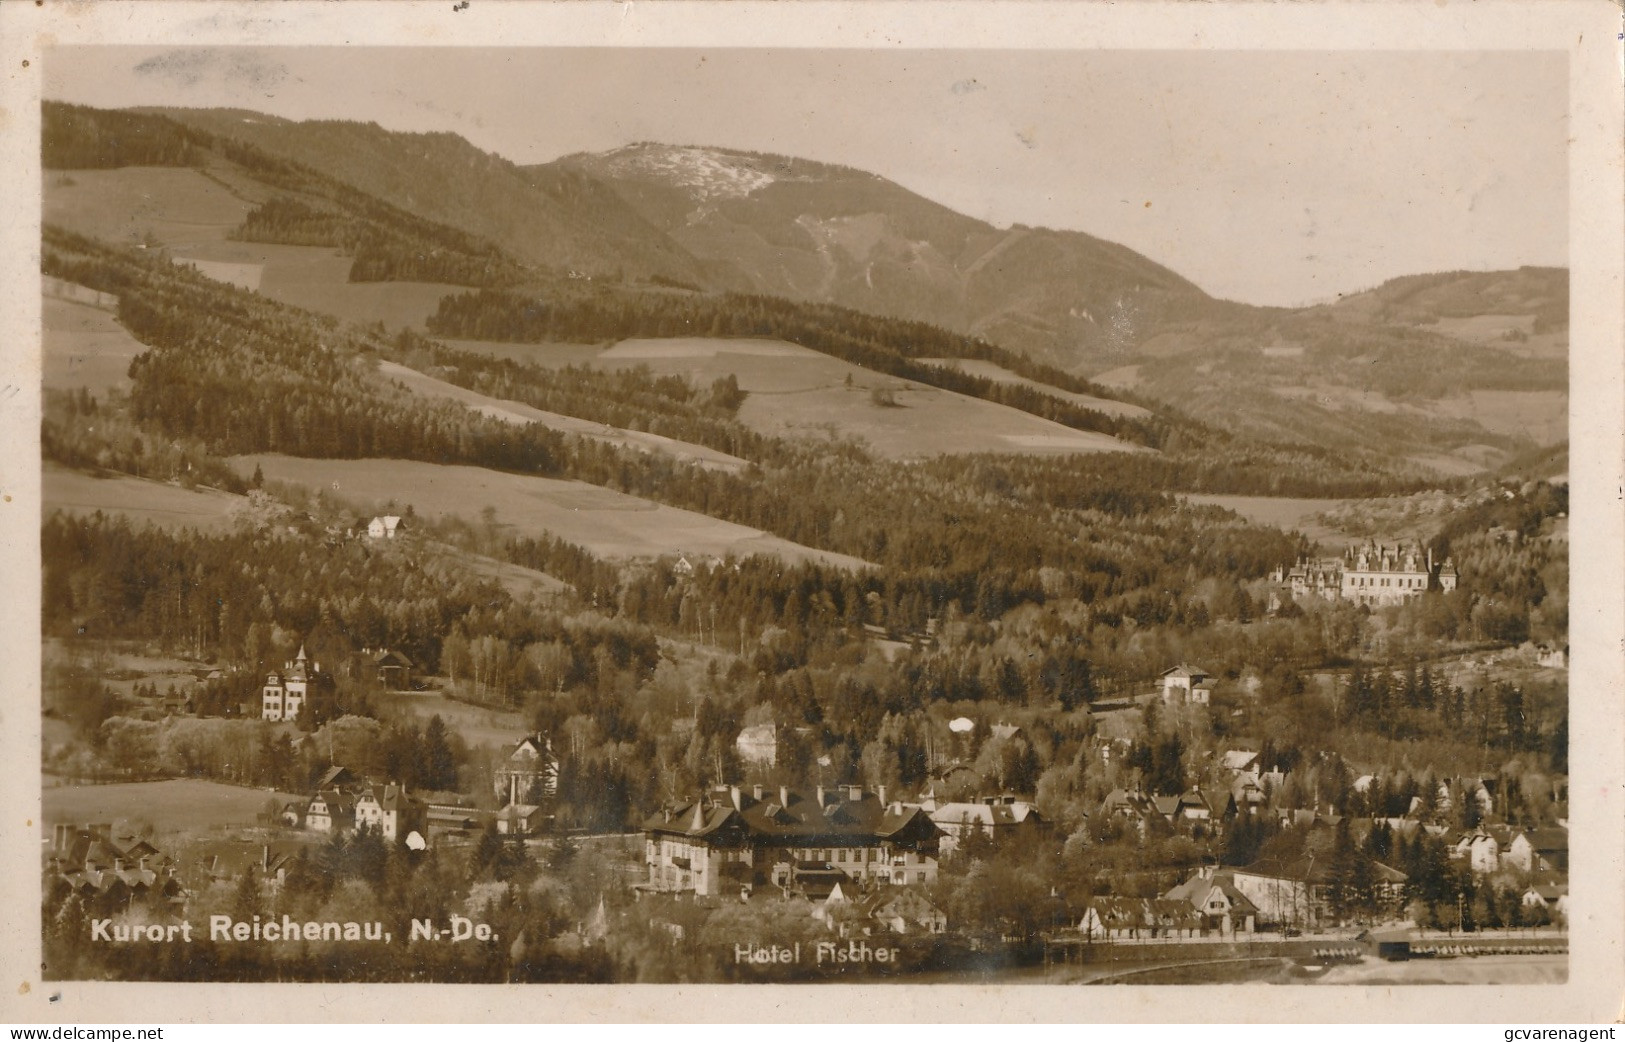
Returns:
(813, 511)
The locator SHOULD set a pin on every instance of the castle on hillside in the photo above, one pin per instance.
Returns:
(1374, 574)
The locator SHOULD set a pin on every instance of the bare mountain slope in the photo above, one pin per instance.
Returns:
(813, 231)
(556, 218)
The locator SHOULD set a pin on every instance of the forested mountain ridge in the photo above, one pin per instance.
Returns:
(557, 219)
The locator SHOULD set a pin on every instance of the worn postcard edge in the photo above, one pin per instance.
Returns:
(1588, 32)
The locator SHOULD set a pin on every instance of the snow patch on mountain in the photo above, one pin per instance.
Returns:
(705, 173)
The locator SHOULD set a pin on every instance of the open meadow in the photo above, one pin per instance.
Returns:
(1289, 515)
(607, 523)
(122, 665)
(999, 374)
(521, 583)
(552, 355)
(169, 206)
(84, 346)
(520, 413)
(1541, 416)
(477, 725)
(796, 392)
(171, 806)
(142, 501)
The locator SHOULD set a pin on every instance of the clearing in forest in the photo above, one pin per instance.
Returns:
(606, 523)
(797, 392)
(520, 413)
(167, 506)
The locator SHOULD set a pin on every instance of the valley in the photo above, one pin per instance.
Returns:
(437, 534)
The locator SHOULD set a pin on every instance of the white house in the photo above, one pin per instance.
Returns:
(330, 811)
(1540, 850)
(392, 812)
(1215, 897)
(758, 744)
(995, 817)
(384, 527)
(285, 693)
(1184, 683)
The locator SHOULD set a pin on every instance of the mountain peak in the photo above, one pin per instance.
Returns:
(702, 172)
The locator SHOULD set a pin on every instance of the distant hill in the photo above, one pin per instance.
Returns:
(553, 218)
(1452, 372)
(1539, 294)
(812, 231)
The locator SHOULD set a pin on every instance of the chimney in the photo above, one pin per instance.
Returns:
(733, 791)
(854, 793)
(784, 795)
(820, 797)
(880, 791)
(756, 791)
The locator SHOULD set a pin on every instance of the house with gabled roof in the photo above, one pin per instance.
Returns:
(905, 910)
(97, 863)
(520, 819)
(391, 811)
(996, 817)
(330, 810)
(529, 774)
(385, 526)
(1247, 798)
(1551, 894)
(1185, 683)
(1213, 894)
(391, 668)
(1482, 848)
(1138, 918)
(732, 840)
(1295, 892)
(1540, 850)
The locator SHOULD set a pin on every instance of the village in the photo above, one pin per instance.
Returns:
(1324, 874)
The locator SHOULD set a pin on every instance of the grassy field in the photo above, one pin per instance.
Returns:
(999, 374)
(800, 393)
(1540, 415)
(124, 664)
(176, 805)
(552, 355)
(1123, 377)
(84, 346)
(520, 582)
(398, 305)
(140, 500)
(477, 725)
(172, 205)
(609, 524)
(1282, 513)
(520, 413)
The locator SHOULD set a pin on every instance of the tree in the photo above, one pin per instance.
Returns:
(247, 900)
(1340, 889)
(438, 764)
